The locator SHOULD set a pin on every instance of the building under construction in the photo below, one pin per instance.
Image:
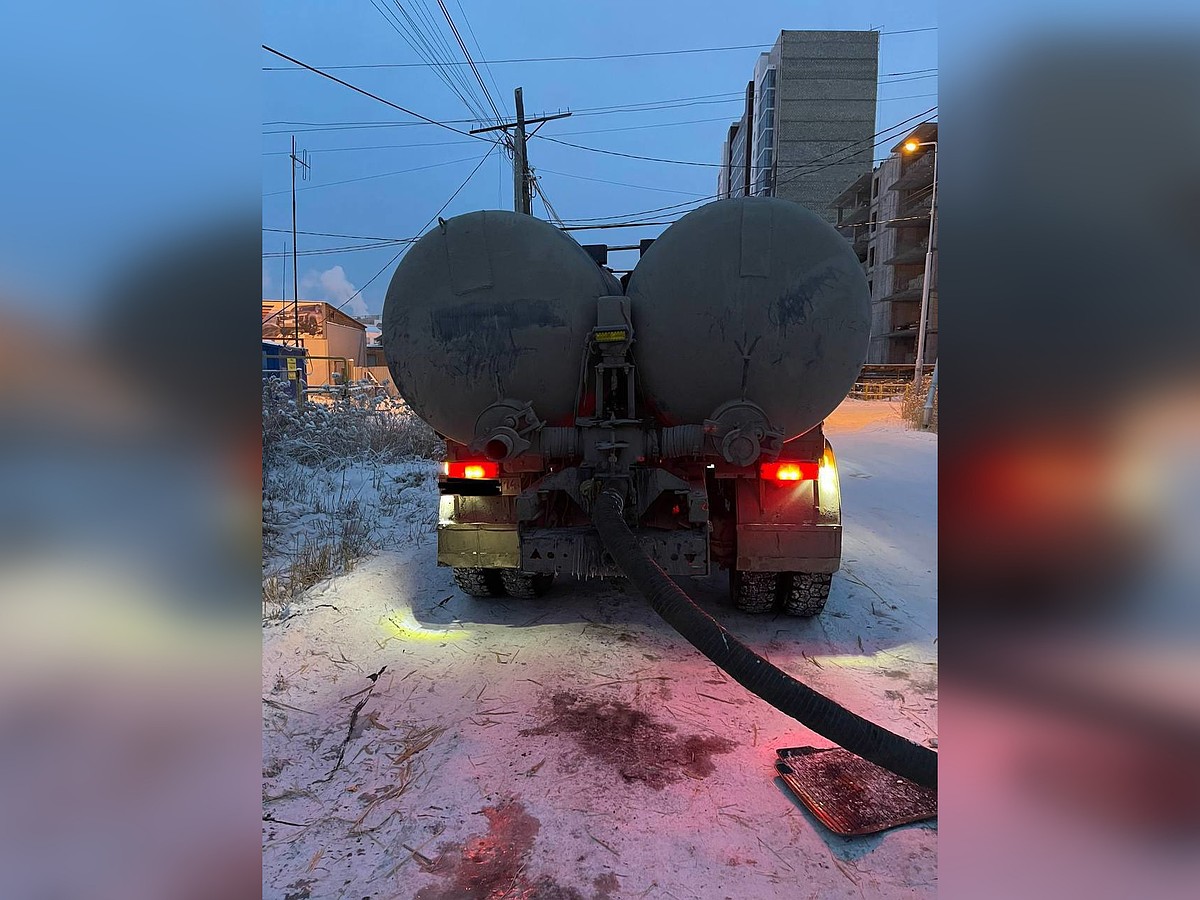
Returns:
(812, 97)
(885, 216)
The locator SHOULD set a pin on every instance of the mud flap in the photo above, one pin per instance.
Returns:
(851, 796)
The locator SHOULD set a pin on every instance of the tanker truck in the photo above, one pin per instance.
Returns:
(697, 389)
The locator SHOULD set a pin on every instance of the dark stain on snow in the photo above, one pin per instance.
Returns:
(489, 863)
(494, 864)
(631, 741)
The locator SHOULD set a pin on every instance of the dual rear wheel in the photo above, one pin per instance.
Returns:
(801, 594)
(796, 593)
(475, 581)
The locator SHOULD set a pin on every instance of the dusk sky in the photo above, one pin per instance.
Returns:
(397, 171)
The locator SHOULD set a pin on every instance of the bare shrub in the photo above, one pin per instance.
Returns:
(343, 477)
(912, 406)
(342, 427)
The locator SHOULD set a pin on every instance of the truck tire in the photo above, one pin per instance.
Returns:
(475, 581)
(525, 585)
(805, 593)
(754, 592)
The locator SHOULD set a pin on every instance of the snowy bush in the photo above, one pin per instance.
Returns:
(343, 477)
(912, 407)
(342, 427)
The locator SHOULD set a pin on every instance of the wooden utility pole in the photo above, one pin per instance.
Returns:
(522, 200)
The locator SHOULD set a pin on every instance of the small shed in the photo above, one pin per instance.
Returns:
(323, 330)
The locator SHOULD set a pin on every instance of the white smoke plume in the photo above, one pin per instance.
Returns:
(333, 286)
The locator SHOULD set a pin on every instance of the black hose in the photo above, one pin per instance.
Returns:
(785, 693)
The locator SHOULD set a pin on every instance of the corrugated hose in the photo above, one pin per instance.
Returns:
(811, 709)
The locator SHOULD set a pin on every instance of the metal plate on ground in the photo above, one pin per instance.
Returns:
(850, 795)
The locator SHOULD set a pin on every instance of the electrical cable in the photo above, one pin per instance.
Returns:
(366, 93)
(424, 228)
(496, 62)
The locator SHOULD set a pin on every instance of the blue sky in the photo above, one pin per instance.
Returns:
(398, 205)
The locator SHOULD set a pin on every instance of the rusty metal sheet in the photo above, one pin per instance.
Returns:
(579, 551)
(851, 796)
(489, 546)
(814, 548)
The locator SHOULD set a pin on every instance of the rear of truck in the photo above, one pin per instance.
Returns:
(696, 390)
(509, 528)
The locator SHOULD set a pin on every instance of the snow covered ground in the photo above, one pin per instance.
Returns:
(420, 743)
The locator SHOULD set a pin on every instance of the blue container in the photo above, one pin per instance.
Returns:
(286, 363)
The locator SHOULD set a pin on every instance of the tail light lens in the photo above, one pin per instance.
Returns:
(786, 471)
(472, 469)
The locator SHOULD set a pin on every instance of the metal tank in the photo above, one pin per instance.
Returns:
(487, 317)
(753, 301)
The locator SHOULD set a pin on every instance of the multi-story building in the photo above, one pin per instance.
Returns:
(808, 126)
(886, 219)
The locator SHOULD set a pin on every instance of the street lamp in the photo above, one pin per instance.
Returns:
(912, 146)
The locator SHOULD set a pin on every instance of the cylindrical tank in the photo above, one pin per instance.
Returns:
(491, 306)
(754, 299)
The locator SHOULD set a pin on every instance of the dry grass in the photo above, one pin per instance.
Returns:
(912, 405)
(353, 426)
(331, 493)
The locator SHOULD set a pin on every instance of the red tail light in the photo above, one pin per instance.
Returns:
(789, 471)
(472, 469)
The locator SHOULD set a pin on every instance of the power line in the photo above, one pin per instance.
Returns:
(640, 106)
(644, 187)
(434, 56)
(681, 162)
(424, 228)
(643, 106)
(312, 127)
(374, 147)
(353, 237)
(729, 97)
(467, 55)
(551, 213)
(478, 47)
(529, 59)
(365, 93)
(447, 53)
(818, 159)
(349, 248)
(874, 143)
(313, 187)
(678, 162)
(461, 143)
(425, 50)
(612, 225)
(561, 133)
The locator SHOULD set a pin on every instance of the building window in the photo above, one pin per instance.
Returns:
(870, 257)
(874, 187)
(764, 136)
(873, 220)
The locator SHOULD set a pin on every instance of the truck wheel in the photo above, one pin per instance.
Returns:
(475, 581)
(525, 585)
(805, 593)
(754, 592)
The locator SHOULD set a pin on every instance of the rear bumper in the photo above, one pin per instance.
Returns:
(569, 551)
(489, 546)
(579, 551)
(789, 548)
